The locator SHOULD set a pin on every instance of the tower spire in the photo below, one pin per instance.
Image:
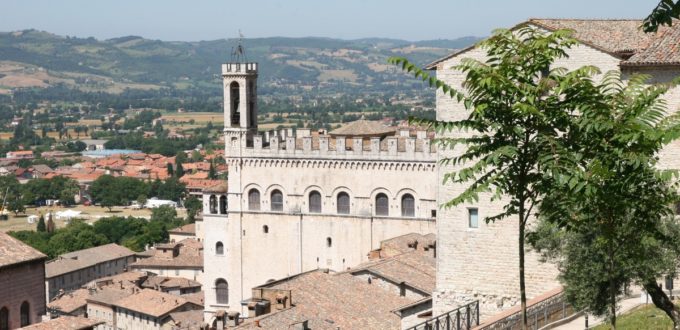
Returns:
(238, 54)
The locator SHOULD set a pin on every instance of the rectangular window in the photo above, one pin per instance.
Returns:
(473, 218)
(176, 272)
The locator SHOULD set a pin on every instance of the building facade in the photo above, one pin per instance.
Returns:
(298, 202)
(22, 274)
(468, 255)
(72, 270)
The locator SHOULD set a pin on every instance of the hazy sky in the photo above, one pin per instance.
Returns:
(348, 19)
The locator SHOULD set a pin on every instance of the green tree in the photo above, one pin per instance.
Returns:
(68, 192)
(517, 109)
(193, 206)
(179, 170)
(663, 14)
(612, 201)
(41, 224)
(212, 173)
(16, 205)
(141, 200)
(171, 170)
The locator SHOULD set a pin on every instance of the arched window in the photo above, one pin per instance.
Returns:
(254, 200)
(408, 206)
(213, 204)
(25, 314)
(329, 242)
(314, 202)
(343, 203)
(235, 95)
(265, 229)
(219, 248)
(223, 204)
(277, 200)
(382, 204)
(222, 291)
(4, 318)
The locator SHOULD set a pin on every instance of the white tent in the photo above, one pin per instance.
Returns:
(68, 214)
(32, 218)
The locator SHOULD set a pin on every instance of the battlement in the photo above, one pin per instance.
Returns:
(287, 144)
(242, 68)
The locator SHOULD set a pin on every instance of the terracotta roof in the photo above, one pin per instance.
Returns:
(70, 301)
(76, 260)
(218, 188)
(197, 298)
(153, 303)
(363, 128)
(169, 282)
(65, 323)
(413, 268)
(190, 256)
(14, 251)
(186, 229)
(334, 301)
(188, 320)
(621, 38)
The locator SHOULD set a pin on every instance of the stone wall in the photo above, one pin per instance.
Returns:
(21, 283)
(482, 263)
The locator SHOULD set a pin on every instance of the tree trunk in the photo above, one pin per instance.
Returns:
(661, 300)
(522, 286)
(612, 288)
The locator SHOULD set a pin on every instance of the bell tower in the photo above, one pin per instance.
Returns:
(240, 100)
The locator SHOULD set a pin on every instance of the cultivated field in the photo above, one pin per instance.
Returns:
(90, 215)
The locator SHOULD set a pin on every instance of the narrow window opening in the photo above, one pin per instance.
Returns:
(473, 218)
(329, 242)
(265, 229)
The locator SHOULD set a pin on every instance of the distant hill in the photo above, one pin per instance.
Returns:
(33, 58)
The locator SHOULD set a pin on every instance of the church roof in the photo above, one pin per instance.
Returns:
(218, 188)
(622, 38)
(364, 127)
(14, 251)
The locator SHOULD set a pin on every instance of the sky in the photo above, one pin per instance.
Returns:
(193, 20)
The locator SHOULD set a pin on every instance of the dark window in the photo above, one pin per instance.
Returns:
(277, 200)
(343, 203)
(408, 206)
(254, 200)
(265, 229)
(219, 248)
(235, 100)
(213, 204)
(222, 291)
(473, 218)
(382, 205)
(4, 319)
(25, 314)
(315, 202)
(329, 242)
(223, 204)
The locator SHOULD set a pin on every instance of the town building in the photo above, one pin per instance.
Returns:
(191, 230)
(479, 260)
(150, 309)
(301, 201)
(72, 270)
(65, 323)
(183, 259)
(22, 274)
(21, 154)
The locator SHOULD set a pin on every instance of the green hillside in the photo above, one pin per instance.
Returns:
(33, 58)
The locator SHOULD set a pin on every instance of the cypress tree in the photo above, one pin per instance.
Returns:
(41, 224)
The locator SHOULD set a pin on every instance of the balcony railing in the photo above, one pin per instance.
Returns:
(462, 318)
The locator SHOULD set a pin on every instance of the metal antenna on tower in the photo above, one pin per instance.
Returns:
(238, 55)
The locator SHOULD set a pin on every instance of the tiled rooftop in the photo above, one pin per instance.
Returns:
(363, 128)
(151, 302)
(186, 229)
(333, 301)
(190, 256)
(76, 260)
(13, 251)
(169, 282)
(622, 38)
(65, 323)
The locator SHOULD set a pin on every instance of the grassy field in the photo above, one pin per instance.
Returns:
(644, 317)
(90, 214)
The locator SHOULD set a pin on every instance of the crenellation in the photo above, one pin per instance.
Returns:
(290, 144)
(392, 145)
(357, 146)
(340, 145)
